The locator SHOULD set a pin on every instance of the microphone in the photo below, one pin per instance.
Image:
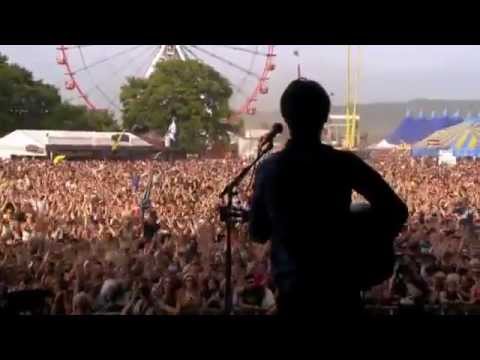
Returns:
(277, 128)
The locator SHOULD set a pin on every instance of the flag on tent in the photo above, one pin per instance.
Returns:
(171, 134)
(433, 142)
(59, 159)
(116, 141)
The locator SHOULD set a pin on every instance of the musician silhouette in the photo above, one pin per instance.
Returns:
(322, 254)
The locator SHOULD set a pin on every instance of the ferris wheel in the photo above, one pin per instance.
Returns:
(94, 74)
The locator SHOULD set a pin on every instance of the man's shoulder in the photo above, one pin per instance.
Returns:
(321, 149)
(347, 159)
(269, 163)
(271, 158)
(339, 153)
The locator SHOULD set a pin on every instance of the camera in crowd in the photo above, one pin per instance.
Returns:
(237, 213)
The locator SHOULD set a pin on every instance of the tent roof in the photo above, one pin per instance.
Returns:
(384, 144)
(412, 130)
(16, 142)
(462, 140)
(472, 119)
(45, 137)
(19, 137)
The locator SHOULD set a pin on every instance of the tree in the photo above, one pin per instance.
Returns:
(72, 117)
(192, 93)
(26, 103)
(101, 120)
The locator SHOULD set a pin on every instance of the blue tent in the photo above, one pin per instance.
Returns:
(425, 126)
(445, 121)
(472, 119)
(404, 132)
(462, 140)
(395, 136)
(412, 130)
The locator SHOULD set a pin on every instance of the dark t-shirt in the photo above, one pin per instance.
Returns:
(302, 202)
(149, 230)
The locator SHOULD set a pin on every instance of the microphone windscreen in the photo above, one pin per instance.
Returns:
(278, 128)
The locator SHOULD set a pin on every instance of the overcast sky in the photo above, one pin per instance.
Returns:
(389, 73)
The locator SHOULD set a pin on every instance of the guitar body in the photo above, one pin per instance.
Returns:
(376, 260)
(375, 248)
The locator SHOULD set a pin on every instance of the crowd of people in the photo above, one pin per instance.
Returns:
(438, 266)
(76, 231)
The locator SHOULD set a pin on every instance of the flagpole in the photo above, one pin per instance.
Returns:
(299, 70)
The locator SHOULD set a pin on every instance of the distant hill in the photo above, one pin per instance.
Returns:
(380, 119)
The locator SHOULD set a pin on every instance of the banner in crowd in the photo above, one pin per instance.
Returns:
(446, 157)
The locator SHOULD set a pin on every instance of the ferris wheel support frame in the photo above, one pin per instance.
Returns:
(161, 55)
(63, 60)
(247, 107)
(269, 67)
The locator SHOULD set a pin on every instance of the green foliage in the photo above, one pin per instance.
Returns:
(71, 117)
(26, 103)
(191, 92)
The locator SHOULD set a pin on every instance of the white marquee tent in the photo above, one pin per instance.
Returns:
(34, 142)
(382, 145)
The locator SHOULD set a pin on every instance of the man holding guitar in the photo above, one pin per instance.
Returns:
(302, 203)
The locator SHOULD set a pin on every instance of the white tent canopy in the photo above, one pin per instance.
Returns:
(16, 143)
(34, 142)
(382, 145)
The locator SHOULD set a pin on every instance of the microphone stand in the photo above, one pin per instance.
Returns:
(229, 191)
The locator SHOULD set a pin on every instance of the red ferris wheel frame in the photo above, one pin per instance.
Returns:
(71, 83)
(248, 107)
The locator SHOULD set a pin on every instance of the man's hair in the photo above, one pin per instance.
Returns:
(305, 106)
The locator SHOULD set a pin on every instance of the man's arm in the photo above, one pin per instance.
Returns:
(391, 210)
(259, 225)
